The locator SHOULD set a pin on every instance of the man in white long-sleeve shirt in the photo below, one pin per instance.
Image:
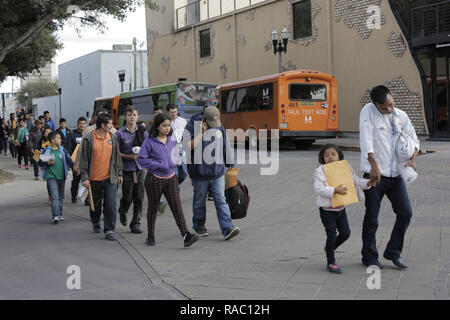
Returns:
(380, 124)
(178, 124)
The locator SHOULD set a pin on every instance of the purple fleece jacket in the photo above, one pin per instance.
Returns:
(158, 158)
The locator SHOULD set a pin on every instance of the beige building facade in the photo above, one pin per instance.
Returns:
(358, 41)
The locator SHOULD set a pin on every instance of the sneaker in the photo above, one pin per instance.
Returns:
(61, 218)
(231, 233)
(96, 227)
(135, 229)
(123, 220)
(162, 207)
(150, 241)
(20, 166)
(210, 198)
(36, 178)
(201, 231)
(55, 220)
(74, 200)
(110, 236)
(190, 238)
(333, 268)
(27, 168)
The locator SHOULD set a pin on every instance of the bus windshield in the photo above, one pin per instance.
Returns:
(311, 92)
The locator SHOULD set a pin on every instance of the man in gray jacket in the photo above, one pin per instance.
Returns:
(101, 169)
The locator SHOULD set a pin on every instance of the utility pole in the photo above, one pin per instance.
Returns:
(135, 65)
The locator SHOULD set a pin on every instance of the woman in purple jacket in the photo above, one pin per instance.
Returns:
(160, 157)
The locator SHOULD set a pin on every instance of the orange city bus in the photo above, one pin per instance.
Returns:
(111, 104)
(301, 104)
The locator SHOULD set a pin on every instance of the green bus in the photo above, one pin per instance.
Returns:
(189, 97)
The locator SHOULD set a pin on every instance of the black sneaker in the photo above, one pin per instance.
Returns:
(190, 238)
(135, 229)
(74, 200)
(123, 220)
(110, 236)
(231, 233)
(96, 227)
(202, 231)
(333, 268)
(150, 241)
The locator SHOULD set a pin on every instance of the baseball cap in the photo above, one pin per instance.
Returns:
(211, 115)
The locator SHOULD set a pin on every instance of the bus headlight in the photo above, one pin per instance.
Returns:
(283, 117)
(334, 118)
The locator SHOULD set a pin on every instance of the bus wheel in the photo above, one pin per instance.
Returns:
(252, 139)
(303, 144)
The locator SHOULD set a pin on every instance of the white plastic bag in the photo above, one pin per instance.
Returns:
(82, 193)
(405, 147)
(408, 173)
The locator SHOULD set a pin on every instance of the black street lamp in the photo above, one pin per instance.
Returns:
(121, 78)
(280, 45)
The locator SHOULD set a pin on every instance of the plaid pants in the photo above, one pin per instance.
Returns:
(156, 187)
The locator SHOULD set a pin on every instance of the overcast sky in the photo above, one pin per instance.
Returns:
(91, 40)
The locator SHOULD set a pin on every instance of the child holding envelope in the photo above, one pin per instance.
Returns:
(335, 218)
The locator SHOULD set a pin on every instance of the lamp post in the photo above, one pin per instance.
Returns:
(135, 58)
(121, 78)
(26, 101)
(60, 109)
(280, 45)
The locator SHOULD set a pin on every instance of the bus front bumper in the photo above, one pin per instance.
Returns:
(308, 134)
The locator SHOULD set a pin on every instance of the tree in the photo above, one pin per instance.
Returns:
(41, 88)
(27, 27)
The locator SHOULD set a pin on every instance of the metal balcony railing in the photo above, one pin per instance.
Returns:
(200, 10)
(431, 24)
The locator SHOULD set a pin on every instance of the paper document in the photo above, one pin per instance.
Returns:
(338, 173)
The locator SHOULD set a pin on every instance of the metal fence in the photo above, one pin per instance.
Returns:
(200, 10)
(431, 24)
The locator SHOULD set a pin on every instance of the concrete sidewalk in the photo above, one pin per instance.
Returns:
(279, 253)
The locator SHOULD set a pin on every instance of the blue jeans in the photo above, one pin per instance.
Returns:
(35, 165)
(217, 190)
(56, 190)
(395, 190)
(104, 196)
(4, 145)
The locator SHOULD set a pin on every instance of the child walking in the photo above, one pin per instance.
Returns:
(334, 218)
(54, 161)
(159, 156)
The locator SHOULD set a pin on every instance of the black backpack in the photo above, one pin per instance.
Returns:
(139, 137)
(238, 200)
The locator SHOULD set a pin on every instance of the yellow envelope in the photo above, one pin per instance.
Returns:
(74, 154)
(36, 155)
(230, 177)
(338, 173)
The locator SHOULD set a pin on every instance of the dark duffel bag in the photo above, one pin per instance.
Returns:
(238, 200)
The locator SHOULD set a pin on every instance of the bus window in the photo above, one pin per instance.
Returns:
(312, 92)
(223, 102)
(265, 96)
(241, 100)
(252, 98)
(163, 100)
(231, 101)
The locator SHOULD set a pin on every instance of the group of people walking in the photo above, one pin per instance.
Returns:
(142, 161)
(153, 161)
